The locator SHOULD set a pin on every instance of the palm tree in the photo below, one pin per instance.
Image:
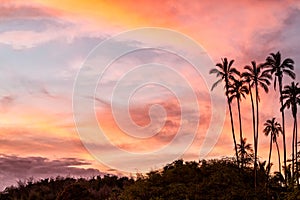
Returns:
(225, 72)
(245, 152)
(237, 90)
(255, 76)
(273, 129)
(247, 78)
(291, 98)
(279, 67)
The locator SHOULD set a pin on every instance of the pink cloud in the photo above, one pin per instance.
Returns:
(57, 25)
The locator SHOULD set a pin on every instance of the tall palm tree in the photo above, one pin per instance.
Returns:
(273, 129)
(237, 90)
(225, 72)
(291, 98)
(256, 77)
(279, 67)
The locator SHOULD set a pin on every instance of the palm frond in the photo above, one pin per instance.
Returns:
(249, 68)
(289, 63)
(214, 71)
(264, 80)
(235, 71)
(230, 64)
(266, 74)
(220, 65)
(264, 86)
(289, 73)
(216, 84)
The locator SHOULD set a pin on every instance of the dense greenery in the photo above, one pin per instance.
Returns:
(212, 179)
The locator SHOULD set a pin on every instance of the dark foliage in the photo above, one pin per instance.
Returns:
(213, 179)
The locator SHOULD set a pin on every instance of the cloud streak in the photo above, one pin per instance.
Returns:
(35, 25)
(14, 168)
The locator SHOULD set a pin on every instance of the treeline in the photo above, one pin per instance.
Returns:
(212, 179)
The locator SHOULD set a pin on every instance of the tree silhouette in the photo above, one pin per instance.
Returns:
(237, 90)
(291, 98)
(255, 76)
(245, 152)
(76, 192)
(279, 67)
(225, 72)
(273, 129)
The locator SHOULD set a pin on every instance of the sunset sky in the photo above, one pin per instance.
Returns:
(45, 43)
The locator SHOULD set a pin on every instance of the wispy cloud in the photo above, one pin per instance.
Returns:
(35, 24)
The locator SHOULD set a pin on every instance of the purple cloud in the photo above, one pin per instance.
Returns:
(14, 168)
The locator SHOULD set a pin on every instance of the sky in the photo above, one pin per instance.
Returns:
(81, 95)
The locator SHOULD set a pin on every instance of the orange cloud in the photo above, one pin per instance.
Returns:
(161, 136)
(234, 29)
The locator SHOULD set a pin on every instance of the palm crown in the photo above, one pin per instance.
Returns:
(272, 127)
(256, 75)
(237, 90)
(225, 71)
(278, 68)
(291, 95)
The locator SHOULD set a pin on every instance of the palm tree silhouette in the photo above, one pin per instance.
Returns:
(237, 90)
(255, 76)
(279, 68)
(291, 98)
(273, 129)
(225, 72)
(243, 150)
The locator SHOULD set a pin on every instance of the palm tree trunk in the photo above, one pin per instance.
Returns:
(232, 124)
(270, 154)
(296, 148)
(257, 119)
(240, 120)
(233, 134)
(254, 136)
(232, 130)
(293, 151)
(278, 153)
(283, 128)
(241, 132)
